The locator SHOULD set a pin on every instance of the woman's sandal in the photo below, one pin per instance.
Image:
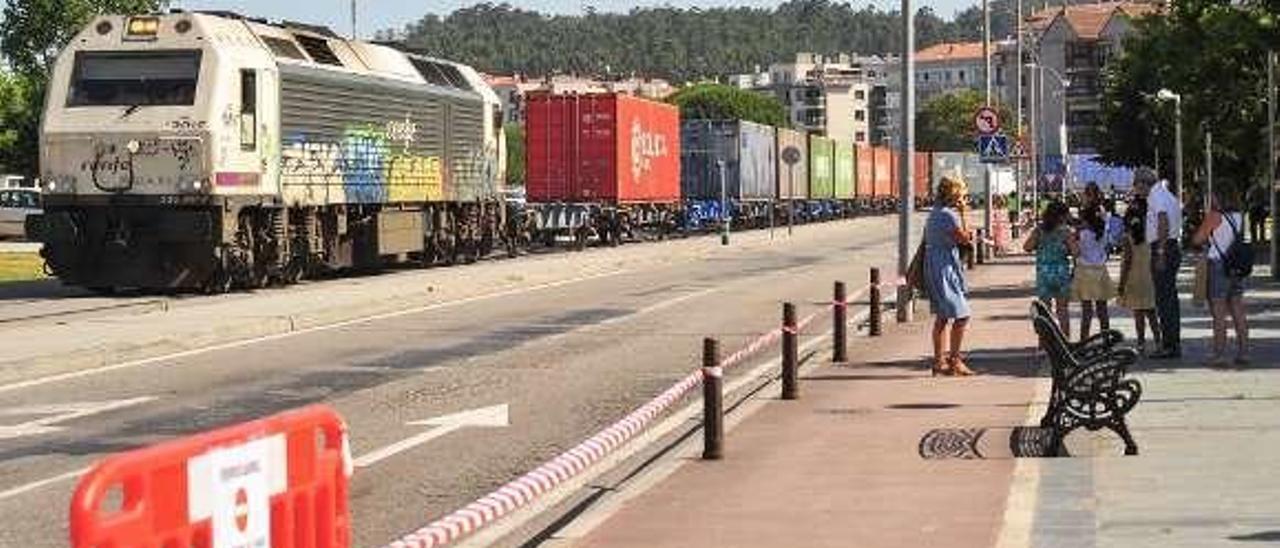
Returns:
(959, 369)
(942, 368)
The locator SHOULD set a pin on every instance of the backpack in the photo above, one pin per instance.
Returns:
(1238, 259)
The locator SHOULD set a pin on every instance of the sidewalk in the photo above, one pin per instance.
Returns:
(878, 454)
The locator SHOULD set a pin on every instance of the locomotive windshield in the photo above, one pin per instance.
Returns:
(135, 79)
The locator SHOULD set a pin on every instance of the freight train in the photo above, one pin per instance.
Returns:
(209, 151)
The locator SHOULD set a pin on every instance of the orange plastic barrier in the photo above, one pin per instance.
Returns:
(281, 479)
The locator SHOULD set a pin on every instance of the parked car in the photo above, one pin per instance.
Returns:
(15, 206)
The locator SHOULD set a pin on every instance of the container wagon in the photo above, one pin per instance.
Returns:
(822, 153)
(600, 165)
(793, 179)
(747, 153)
(208, 151)
(845, 178)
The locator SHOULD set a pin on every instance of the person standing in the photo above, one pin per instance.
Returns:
(1164, 230)
(1137, 292)
(1223, 226)
(1091, 284)
(1051, 242)
(1259, 202)
(945, 232)
(1115, 227)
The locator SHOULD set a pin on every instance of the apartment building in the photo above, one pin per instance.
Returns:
(844, 96)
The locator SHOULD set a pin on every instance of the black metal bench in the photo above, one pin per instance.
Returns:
(1089, 389)
(1090, 348)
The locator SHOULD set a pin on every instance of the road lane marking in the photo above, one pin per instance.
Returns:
(41, 483)
(267, 338)
(52, 414)
(495, 416)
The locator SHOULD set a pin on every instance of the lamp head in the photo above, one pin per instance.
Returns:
(1166, 95)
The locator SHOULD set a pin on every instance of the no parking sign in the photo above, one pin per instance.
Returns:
(241, 513)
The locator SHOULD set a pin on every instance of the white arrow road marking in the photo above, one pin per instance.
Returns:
(488, 417)
(52, 414)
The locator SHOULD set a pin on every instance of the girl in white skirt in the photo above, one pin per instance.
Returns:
(1092, 285)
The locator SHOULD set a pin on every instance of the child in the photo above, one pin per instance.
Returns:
(1051, 241)
(1137, 290)
(1092, 285)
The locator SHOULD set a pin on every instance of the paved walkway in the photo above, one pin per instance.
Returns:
(880, 454)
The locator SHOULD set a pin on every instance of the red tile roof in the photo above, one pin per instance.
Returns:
(1088, 20)
(950, 51)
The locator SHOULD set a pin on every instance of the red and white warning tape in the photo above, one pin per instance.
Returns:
(568, 464)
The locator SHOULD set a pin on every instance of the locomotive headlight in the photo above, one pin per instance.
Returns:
(143, 27)
(197, 185)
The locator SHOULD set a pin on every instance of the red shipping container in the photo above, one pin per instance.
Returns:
(864, 178)
(884, 172)
(601, 147)
(924, 163)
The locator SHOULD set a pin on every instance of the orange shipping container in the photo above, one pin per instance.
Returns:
(884, 172)
(865, 182)
(924, 163)
(601, 147)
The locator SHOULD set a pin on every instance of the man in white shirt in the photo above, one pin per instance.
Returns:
(1164, 231)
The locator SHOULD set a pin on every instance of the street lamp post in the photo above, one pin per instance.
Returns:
(1063, 145)
(908, 144)
(725, 217)
(1272, 196)
(1166, 95)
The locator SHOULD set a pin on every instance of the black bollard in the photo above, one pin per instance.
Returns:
(712, 401)
(874, 319)
(839, 311)
(790, 357)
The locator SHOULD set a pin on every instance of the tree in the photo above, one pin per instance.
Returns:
(32, 32)
(1190, 52)
(515, 154)
(18, 122)
(721, 102)
(945, 124)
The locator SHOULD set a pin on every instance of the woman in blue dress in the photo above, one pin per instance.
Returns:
(944, 233)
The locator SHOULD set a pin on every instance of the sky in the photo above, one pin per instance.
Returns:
(375, 15)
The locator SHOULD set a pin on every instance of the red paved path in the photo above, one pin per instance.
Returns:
(841, 467)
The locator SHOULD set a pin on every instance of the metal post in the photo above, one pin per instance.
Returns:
(988, 216)
(1035, 149)
(791, 198)
(1177, 137)
(1271, 165)
(980, 249)
(908, 148)
(874, 319)
(712, 401)
(725, 217)
(354, 35)
(839, 310)
(790, 352)
(1208, 170)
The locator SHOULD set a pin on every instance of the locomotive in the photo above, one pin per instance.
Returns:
(205, 150)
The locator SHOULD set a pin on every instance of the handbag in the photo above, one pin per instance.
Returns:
(915, 271)
(1200, 291)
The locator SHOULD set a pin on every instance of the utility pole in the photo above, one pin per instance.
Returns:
(1273, 197)
(986, 60)
(1018, 175)
(354, 35)
(1208, 171)
(1035, 145)
(908, 144)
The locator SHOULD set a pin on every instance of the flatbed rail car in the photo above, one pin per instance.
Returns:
(600, 166)
(748, 154)
(205, 150)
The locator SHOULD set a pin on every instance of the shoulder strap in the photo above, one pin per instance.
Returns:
(1234, 234)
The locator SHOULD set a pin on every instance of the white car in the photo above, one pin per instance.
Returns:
(15, 205)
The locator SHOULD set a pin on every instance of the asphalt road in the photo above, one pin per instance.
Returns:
(566, 359)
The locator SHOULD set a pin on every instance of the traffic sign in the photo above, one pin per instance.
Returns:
(1018, 151)
(993, 149)
(987, 121)
(791, 155)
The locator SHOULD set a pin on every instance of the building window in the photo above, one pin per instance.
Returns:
(860, 136)
(860, 115)
(948, 75)
(860, 95)
(962, 76)
(926, 77)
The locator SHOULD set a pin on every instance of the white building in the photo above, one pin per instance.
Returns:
(843, 96)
